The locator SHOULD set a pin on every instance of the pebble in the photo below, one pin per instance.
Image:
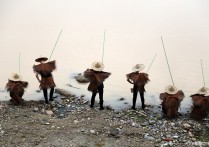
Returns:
(193, 139)
(75, 121)
(92, 131)
(35, 109)
(175, 137)
(82, 130)
(133, 124)
(114, 132)
(49, 112)
(187, 126)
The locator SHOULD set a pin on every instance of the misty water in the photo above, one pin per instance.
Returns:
(133, 30)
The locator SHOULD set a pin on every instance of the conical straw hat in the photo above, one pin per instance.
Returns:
(203, 90)
(97, 66)
(15, 77)
(171, 89)
(138, 67)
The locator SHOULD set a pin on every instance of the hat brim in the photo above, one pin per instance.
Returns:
(15, 80)
(41, 59)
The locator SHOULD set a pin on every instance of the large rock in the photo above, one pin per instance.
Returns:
(81, 79)
(63, 92)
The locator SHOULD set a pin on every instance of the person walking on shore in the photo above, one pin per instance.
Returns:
(45, 71)
(139, 80)
(96, 77)
(15, 87)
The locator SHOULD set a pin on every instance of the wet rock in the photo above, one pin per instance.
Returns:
(38, 91)
(122, 99)
(63, 92)
(81, 79)
(108, 107)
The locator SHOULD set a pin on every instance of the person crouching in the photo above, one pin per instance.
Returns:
(200, 100)
(171, 100)
(96, 77)
(16, 88)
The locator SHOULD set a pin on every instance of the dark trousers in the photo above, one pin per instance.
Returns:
(135, 92)
(100, 91)
(50, 95)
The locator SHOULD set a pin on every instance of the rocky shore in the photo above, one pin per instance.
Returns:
(69, 121)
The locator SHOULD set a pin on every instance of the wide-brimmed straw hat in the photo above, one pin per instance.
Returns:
(41, 59)
(15, 77)
(203, 90)
(97, 66)
(171, 89)
(138, 67)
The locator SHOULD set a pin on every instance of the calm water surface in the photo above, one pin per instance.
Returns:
(133, 31)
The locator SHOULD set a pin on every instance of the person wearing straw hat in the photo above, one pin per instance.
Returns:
(139, 80)
(15, 87)
(45, 71)
(171, 100)
(96, 77)
(200, 104)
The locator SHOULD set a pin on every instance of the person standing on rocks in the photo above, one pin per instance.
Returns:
(96, 77)
(15, 87)
(171, 100)
(139, 80)
(45, 71)
(200, 104)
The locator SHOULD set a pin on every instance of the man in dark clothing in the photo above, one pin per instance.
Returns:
(139, 80)
(96, 77)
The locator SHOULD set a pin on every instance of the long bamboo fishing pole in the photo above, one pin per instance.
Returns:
(19, 62)
(55, 45)
(202, 73)
(103, 47)
(167, 60)
(151, 63)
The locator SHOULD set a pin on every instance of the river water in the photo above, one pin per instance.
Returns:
(29, 28)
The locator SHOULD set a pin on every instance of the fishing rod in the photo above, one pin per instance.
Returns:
(55, 44)
(19, 62)
(103, 46)
(167, 60)
(151, 63)
(202, 73)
